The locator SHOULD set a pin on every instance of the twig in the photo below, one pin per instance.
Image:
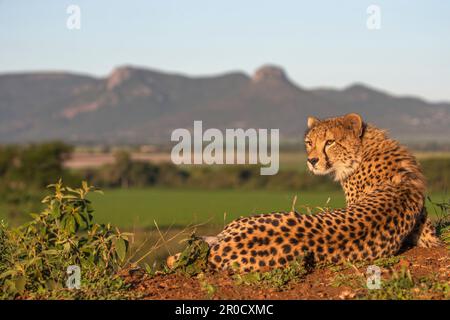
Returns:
(294, 202)
(157, 245)
(162, 237)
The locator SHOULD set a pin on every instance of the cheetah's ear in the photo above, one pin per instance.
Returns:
(353, 121)
(312, 121)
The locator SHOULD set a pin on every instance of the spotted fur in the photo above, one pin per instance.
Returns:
(384, 190)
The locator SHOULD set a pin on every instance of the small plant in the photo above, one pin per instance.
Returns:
(34, 257)
(332, 268)
(194, 258)
(442, 211)
(277, 278)
(432, 284)
(351, 280)
(209, 288)
(387, 262)
(398, 287)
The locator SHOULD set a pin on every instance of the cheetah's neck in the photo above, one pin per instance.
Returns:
(385, 163)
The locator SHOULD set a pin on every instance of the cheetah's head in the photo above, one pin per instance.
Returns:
(333, 145)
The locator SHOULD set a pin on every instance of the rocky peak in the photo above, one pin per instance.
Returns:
(118, 76)
(270, 73)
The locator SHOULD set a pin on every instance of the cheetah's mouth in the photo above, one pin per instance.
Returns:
(321, 172)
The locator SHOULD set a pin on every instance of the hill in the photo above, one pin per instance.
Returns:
(137, 105)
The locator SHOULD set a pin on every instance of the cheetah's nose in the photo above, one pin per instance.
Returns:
(313, 161)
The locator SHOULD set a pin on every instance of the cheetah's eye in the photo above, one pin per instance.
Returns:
(308, 143)
(329, 143)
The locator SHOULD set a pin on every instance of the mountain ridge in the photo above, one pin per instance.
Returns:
(142, 105)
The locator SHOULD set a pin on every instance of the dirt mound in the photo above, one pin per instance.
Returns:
(416, 274)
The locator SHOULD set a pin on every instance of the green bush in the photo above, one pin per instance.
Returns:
(34, 257)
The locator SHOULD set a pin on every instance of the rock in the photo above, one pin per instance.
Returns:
(270, 73)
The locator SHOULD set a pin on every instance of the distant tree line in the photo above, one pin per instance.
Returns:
(125, 173)
(25, 171)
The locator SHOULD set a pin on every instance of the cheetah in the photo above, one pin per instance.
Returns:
(384, 191)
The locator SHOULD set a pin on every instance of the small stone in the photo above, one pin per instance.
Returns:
(346, 294)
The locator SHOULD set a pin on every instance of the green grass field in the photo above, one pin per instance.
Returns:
(140, 207)
(128, 208)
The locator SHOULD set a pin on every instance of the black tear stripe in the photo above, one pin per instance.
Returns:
(327, 160)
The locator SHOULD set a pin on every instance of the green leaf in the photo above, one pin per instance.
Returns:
(20, 283)
(121, 248)
(148, 268)
(69, 224)
(127, 234)
(78, 219)
(31, 261)
(34, 215)
(8, 273)
(55, 211)
(66, 247)
(70, 196)
(50, 252)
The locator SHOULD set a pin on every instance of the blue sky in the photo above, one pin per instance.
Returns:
(319, 43)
